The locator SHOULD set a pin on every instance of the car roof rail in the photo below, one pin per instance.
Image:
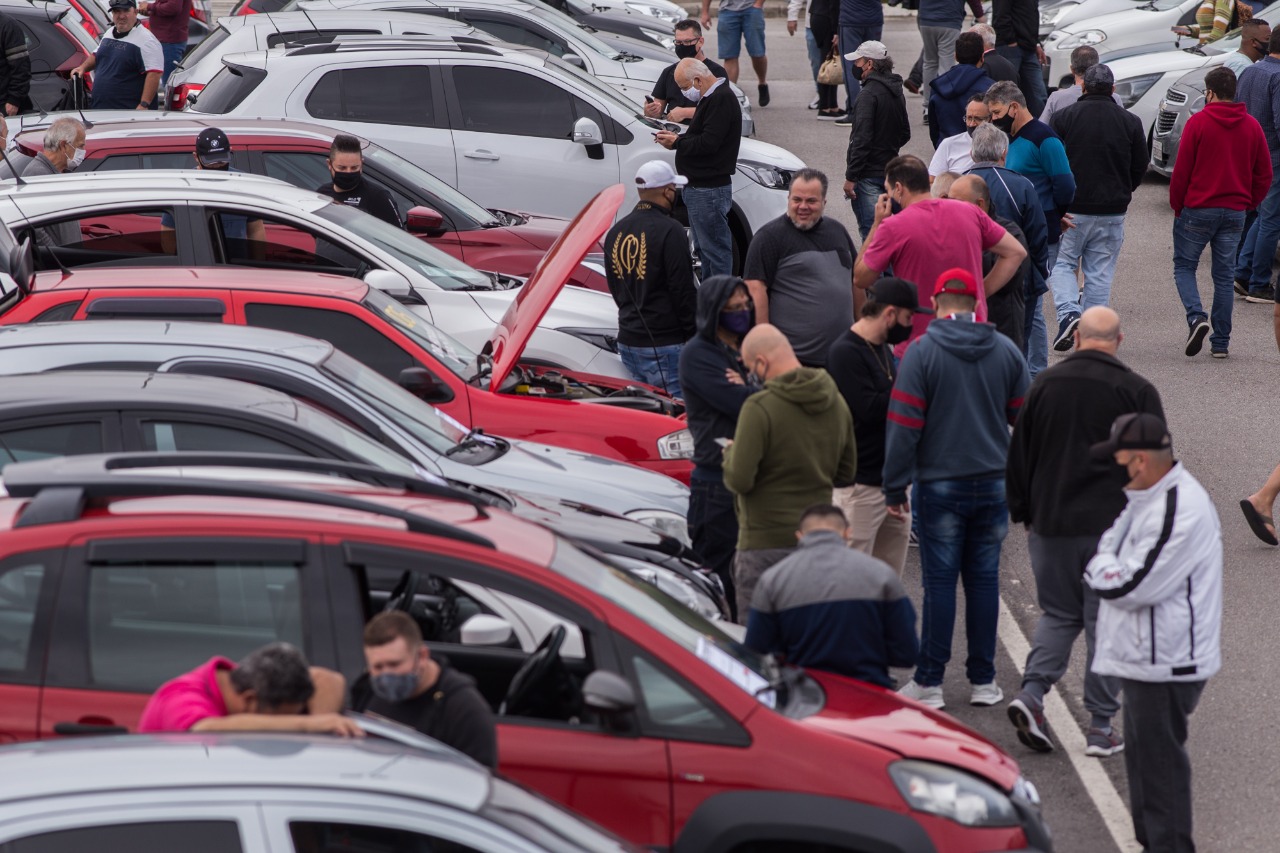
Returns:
(357, 44)
(59, 492)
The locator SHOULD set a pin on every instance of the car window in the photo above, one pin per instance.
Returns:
(310, 170)
(169, 435)
(109, 238)
(322, 837)
(261, 241)
(50, 440)
(204, 48)
(350, 334)
(529, 107)
(156, 160)
(149, 623)
(228, 89)
(19, 595)
(394, 94)
(514, 33)
(295, 37)
(189, 836)
(669, 704)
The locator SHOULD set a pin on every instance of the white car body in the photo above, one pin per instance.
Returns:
(1152, 74)
(663, 10)
(1142, 29)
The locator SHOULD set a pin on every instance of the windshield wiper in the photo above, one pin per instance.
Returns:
(472, 440)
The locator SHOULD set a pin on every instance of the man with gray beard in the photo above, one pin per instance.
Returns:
(799, 271)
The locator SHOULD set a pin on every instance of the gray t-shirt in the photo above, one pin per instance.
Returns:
(736, 5)
(809, 277)
(1064, 98)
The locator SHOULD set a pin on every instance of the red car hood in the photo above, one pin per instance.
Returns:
(548, 278)
(540, 231)
(883, 718)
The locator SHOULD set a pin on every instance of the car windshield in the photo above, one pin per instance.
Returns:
(571, 29)
(450, 352)
(314, 419)
(434, 429)
(443, 270)
(393, 164)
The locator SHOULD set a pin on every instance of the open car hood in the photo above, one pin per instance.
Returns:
(549, 276)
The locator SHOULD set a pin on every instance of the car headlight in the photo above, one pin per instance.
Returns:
(1131, 89)
(1088, 38)
(606, 339)
(653, 12)
(1049, 17)
(953, 794)
(667, 40)
(664, 521)
(676, 445)
(765, 175)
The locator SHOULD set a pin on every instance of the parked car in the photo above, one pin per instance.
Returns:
(1140, 29)
(1142, 80)
(122, 219)
(57, 43)
(1058, 14)
(664, 730)
(562, 131)
(255, 793)
(506, 242)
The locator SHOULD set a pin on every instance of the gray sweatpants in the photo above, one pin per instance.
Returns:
(748, 566)
(1067, 606)
(1156, 761)
(939, 54)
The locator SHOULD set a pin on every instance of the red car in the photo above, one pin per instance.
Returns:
(500, 241)
(594, 414)
(633, 710)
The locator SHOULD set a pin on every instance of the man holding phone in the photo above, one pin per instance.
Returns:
(667, 101)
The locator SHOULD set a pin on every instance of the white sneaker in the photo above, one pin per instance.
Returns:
(986, 694)
(931, 696)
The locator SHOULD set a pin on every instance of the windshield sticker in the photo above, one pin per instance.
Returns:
(401, 316)
(737, 672)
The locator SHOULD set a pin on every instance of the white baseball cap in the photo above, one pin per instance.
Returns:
(869, 50)
(656, 174)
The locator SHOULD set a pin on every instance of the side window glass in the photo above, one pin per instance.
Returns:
(397, 94)
(149, 623)
(117, 162)
(254, 241)
(310, 171)
(169, 160)
(190, 836)
(176, 436)
(514, 33)
(669, 704)
(58, 313)
(317, 837)
(529, 106)
(350, 334)
(109, 238)
(19, 596)
(50, 440)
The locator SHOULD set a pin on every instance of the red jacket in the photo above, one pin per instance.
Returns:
(168, 20)
(1223, 160)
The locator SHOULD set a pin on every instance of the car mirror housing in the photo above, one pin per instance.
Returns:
(483, 629)
(587, 133)
(608, 693)
(574, 60)
(424, 220)
(391, 283)
(423, 384)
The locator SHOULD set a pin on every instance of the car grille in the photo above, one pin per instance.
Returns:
(1165, 122)
(1173, 96)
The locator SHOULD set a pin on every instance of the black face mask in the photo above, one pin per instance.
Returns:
(686, 51)
(898, 334)
(1005, 123)
(347, 181)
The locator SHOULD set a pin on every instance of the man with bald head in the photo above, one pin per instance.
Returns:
(1067, 504)
(793, 444)
(707, 154)
(1006, 306)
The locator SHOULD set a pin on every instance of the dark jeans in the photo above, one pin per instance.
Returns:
(864, 204)
(1030, 75)
(1156, 761)
(1007, 309)
(708, 209)
(713, 527)
(828, 96)
(962, 524)
(172, 53)
(1258, 248)
(1220, 229)
(850, 37)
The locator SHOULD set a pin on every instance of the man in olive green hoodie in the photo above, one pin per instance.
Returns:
(793, 444)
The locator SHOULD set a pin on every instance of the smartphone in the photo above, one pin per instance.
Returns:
(724, 442)
(648, 99)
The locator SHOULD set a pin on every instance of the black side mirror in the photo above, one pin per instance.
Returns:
(423, 384)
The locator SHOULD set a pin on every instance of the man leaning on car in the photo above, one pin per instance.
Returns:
(129, 61)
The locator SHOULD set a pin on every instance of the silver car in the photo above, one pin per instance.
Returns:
(273, 793)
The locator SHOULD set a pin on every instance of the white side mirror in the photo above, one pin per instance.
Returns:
(587, 132)
(485, 630)
(390, 283)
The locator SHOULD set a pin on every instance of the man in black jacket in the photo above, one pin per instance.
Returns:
(707, 154)
(1067, 505)
(15, 68)
(715, 387)
(1017, 24)
(880, 129)
(1107, 149)
(650, 275)
(1005, 307)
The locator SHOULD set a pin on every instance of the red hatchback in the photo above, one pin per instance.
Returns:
(502, 241)
(633, 710)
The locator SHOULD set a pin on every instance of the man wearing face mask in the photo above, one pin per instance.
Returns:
(862, 364)
(346, 165)
(880, 129)
(955, 153)
(63, 149)
(414, 689)
(668, 101)
(1254, 37)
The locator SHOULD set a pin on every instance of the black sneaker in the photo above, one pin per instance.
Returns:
(763, 88)
(1195, 338)
(845, 120)
(1241, 287)
(1266, 294)
(1220, 353)
(1067, 328)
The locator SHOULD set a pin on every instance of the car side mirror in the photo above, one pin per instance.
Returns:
(587, 134)
(422, 383)
(391, 283)
(608, 693)
(486, 630)
(574, 60)
(424, 220)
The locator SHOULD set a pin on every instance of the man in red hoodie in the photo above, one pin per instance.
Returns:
(168, 20)
(1223, 169)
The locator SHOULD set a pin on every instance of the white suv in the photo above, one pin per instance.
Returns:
(508, 127)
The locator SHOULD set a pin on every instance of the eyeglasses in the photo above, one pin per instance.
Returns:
(688, 42)
(975, 120)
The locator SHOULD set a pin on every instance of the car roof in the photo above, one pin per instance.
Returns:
(322, 18)
(51, 11)
(69, 191)
(96, 388)
(203, 278)
(135, 762)
(384, 47)
(190, 124)
(341, 5)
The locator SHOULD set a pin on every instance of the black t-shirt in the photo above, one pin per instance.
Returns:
(453, 712)
(667, 90)
(369, 198)
(864, 374)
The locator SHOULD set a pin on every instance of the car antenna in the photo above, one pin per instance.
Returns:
(307, 15)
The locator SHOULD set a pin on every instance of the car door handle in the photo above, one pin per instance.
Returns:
(480, 154)
(106, 727)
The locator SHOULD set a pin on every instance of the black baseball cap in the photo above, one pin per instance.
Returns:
(897, 292)
(212, 146)
(1134, 431)
(123, 4)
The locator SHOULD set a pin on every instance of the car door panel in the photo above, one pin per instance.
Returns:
(28, 584)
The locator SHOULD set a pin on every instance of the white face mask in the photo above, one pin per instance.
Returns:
(692, 94)
(76, 159)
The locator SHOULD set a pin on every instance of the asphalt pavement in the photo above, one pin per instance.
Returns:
(1216, 409)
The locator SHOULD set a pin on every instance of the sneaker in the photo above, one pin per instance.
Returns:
(912, 540)
(930, 696)
(1066, 329)
(1195, 338)
(1241, 287)
(1266, 294)
(986, 694)
(1027, 716)
(1219, 353)
(1102, 744)
(813, 105)
(830, 116)
(845, 120)
(763, 89)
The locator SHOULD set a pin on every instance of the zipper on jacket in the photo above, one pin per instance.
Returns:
(1152, 611)
(1191, 607)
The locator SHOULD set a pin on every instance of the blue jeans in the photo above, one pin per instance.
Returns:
(713, 527)
(659, 366)
(172, 53)
(815, 54)
(1259, 246)
(1196, 228)
(1030, 75)
(708, 209)
(734, 27)
(850, 37)
(962, 524)
(1036, 345)
(1094, 244)
(864, 205)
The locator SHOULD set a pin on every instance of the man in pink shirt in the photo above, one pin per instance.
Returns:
(930, 236)
(272, 689)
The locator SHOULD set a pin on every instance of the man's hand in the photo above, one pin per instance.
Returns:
(1182, 31)
(1044, 60)
(335, 724)
(1067, 223)
(733, 376)
(791, 28)
(884, 208)
(10, 109)
(653, 109)
(666, 138)
(850, 191)
(705, 20)
(680, 114)
(77, 71)
(142, 107)
(899, 511)
(981, 19)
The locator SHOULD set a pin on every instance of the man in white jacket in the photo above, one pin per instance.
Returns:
(1158, 573)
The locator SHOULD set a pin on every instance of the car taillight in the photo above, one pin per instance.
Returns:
(179, 94)
(198, 14)
(90, 27)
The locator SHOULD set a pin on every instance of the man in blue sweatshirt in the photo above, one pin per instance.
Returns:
(951, 91)
(959, 388)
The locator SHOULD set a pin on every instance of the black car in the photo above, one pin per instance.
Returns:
(57, 43)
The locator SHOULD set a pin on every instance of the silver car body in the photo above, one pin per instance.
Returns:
(1142, 29)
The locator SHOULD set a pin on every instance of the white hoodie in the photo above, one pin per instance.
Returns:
(1158, 571)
